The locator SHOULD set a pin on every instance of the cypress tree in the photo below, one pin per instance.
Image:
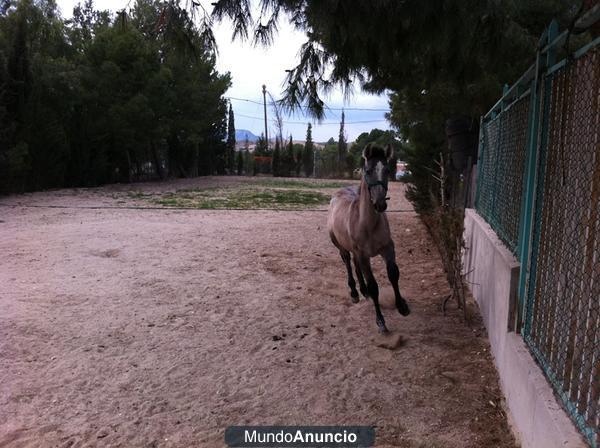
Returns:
(308, 153)
(230, 155)
(298, 159)
(342, 147)
(276, 167)
(289, 158)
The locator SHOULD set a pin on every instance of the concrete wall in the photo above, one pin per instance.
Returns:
(538, 420)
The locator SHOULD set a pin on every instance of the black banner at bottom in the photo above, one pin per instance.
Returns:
(300, 436)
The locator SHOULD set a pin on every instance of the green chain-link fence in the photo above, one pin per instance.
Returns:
(502, 162)
(539, 189)
(562, 324)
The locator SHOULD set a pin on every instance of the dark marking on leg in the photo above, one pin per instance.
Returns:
(373, 289)
(361, 280)
(351, 283)
(393, 273)
(346, 259)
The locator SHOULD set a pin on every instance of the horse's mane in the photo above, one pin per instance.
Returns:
(350, 192)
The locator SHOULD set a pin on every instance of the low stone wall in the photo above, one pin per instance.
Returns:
(537, 418)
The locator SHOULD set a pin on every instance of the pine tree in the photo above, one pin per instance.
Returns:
(105, 100)
(457, 70)
(230, 156)
(308, 154)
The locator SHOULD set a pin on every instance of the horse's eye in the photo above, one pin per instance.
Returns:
(369, 171)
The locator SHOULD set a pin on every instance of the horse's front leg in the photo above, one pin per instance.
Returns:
(351, 283)
(359, 276)
(389, 255)
(373, 290)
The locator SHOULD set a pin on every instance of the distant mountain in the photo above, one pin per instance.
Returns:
(242, 134)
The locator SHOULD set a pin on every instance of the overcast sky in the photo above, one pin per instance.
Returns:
(251, 67)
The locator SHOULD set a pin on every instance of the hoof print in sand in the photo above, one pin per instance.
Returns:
(390, 341)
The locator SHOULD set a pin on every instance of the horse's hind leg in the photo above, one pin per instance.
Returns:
(351, 283)
(389, 255)
(361, 279)
(373, 289)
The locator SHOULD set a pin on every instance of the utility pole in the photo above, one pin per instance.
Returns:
(265, 107)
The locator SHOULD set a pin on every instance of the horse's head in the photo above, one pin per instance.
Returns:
(376, 173)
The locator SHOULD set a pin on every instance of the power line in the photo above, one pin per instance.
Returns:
(321, 124)
(303, 107)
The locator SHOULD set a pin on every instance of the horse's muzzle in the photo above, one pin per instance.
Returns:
(380, 206)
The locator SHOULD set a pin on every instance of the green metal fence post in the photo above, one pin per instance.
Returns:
(530, 178)
(552, 34)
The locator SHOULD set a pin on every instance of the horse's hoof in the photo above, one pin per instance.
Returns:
(403, 307)
(383, 330)
(354, 296)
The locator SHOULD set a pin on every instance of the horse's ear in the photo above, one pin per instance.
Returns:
(389, 152)
(367, 151)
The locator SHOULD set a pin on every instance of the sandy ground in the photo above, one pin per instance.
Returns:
(159, 328)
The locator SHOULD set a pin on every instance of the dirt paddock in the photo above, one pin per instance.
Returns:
(160, 328)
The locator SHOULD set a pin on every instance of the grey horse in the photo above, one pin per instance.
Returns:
(359, 228)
